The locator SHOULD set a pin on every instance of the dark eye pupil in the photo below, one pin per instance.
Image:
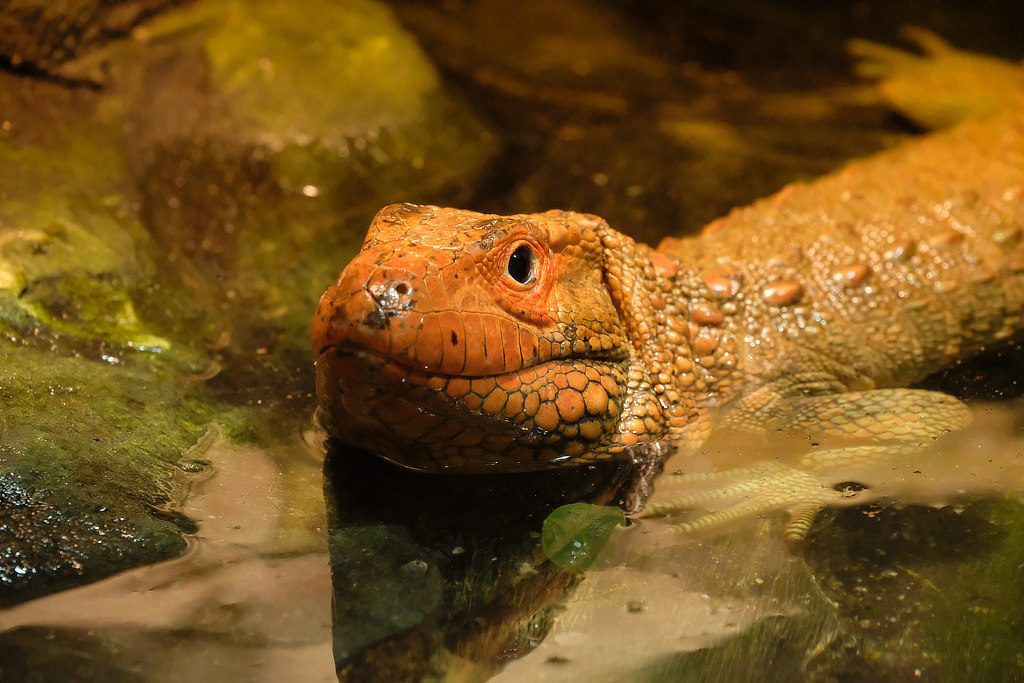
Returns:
(520, 265)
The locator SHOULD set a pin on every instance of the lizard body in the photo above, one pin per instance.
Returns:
(469, 342)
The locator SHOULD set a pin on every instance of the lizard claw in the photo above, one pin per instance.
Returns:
(930, 43)
(877, 60)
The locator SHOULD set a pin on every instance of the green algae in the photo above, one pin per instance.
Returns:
(70, 250)
(88, 456)
(925, 591)
(320, 71)
(977, 607)
(89, 304)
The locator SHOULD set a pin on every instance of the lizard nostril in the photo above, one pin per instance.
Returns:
(392, 296)
(392, 288)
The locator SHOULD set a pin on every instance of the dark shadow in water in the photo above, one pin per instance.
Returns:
(428, 566)
(993, 375)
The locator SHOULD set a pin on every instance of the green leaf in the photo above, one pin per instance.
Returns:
(574, 534)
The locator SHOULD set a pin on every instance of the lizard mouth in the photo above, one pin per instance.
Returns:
(550, 412)
(380, 360)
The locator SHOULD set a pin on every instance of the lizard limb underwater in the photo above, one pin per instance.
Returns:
(458, 341)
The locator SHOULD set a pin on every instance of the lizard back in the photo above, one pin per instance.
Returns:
(891, 268)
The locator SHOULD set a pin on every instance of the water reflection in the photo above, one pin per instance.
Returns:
(658, 599)
(250, 600)
(424, 576)
(670, 599)
(433, 573)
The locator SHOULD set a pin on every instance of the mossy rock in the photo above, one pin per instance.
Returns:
(87, 462)
(265, 136)
(74, 258)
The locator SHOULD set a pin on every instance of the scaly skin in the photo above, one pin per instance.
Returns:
(804, 313)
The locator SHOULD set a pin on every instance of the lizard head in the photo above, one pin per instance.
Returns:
(469, 342)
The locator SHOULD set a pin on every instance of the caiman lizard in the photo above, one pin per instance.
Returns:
(459, 341)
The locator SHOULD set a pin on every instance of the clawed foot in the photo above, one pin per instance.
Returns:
(722, 497)
(883, 61)
(941, 86)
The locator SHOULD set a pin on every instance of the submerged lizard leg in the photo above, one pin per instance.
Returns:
(855, 436)
(760, 488)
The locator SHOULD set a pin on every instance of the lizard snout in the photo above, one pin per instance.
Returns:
(366, 308)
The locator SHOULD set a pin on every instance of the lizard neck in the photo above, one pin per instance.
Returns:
(682, 363)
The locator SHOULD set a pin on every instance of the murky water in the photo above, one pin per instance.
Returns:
(254, 147)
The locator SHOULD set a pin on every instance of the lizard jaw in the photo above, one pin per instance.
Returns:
(556, 412)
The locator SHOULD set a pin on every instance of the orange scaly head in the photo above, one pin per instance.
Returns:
(464, 341)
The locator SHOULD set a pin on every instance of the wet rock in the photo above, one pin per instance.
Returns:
(71, 252)
(95, 407)
(41, 36)
(86, 467)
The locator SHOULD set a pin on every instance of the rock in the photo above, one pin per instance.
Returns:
(71, 251)
(42, 36)
(87, 463)
(96, 411)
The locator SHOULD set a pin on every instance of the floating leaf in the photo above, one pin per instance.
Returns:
(574, 534)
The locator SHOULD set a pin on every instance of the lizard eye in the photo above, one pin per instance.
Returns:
(522, 265)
